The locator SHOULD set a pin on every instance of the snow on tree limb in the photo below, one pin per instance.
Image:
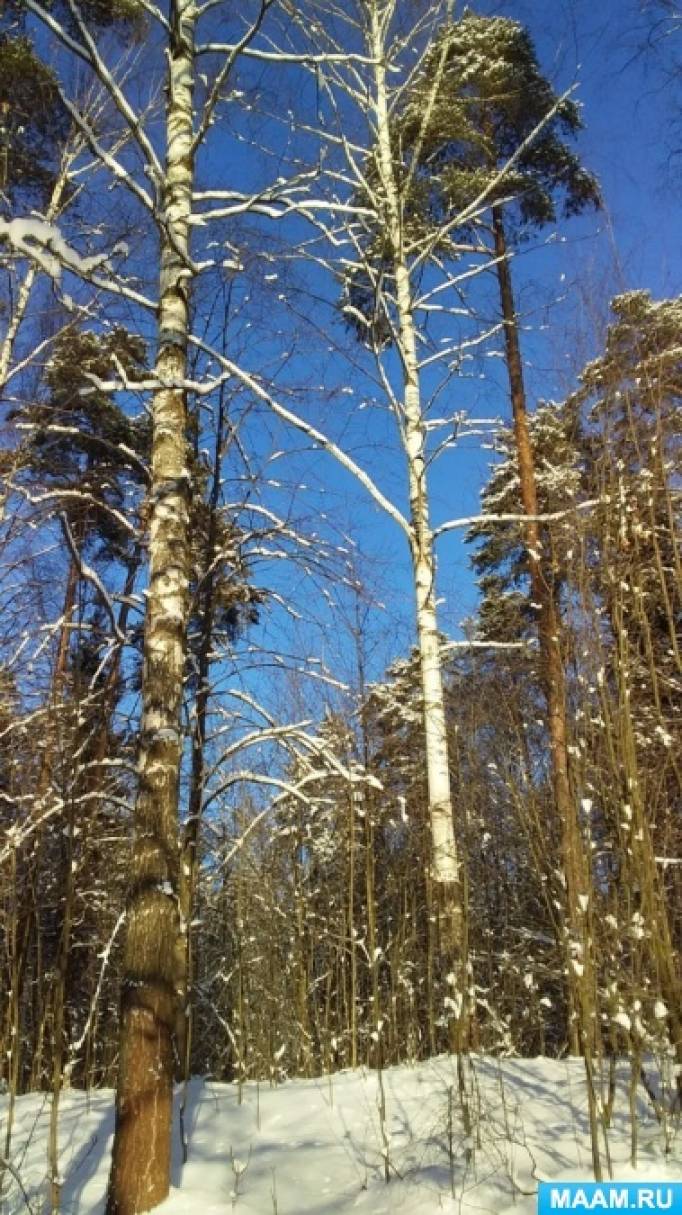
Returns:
(551, 517)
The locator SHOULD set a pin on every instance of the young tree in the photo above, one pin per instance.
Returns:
(630, 396)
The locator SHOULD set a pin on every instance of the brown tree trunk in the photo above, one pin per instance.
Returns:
(576, 942)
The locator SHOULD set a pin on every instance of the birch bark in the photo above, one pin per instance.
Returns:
(140, 1173)
(445, 863)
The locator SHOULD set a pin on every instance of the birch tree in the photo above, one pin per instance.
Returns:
(366, 194)
(157, 177)
(399, 274)
(492, 97)
(446, 873)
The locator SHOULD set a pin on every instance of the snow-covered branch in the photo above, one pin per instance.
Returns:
(549, 517)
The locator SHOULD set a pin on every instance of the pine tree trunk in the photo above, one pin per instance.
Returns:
(445, 866)
(140, 1172)
(553, 677)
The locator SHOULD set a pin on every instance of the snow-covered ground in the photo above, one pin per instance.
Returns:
(316, 1147)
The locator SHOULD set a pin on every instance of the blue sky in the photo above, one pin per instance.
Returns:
(562, 288)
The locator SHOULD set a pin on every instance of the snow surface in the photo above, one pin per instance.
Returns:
(315, 1147)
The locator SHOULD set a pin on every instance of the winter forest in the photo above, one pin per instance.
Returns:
(340, 646)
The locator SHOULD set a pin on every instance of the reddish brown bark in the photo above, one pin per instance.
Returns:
(552, 667)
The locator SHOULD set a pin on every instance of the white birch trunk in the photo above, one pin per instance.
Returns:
(444, 859)
(140, 1175)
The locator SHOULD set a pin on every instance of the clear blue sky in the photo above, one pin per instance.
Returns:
(565, 286)
(562, 288)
